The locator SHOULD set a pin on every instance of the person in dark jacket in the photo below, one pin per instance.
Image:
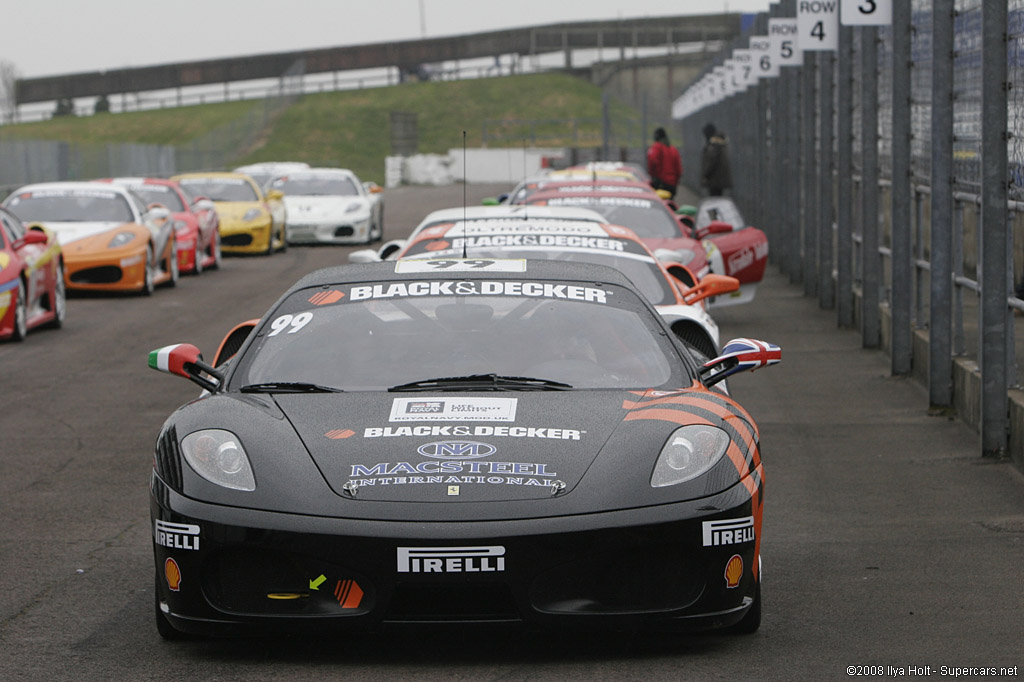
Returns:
(715, 173)
(663, 163)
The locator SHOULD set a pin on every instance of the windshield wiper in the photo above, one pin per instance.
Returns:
(484, 382)
(288, 387)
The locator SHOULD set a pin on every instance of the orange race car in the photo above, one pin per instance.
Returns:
(111, 242)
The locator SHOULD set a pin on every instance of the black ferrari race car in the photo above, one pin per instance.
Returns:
(457, 441)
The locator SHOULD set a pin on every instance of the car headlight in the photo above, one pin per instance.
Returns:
(120, 239)
(218, 456)
(352, 208)
(690, 451)
(685, 256)
(252, 214)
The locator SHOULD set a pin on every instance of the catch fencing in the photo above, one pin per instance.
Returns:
(889, 175)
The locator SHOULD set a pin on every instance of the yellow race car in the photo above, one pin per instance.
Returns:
(250, 221)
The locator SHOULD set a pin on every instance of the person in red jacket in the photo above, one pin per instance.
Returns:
(663, 163)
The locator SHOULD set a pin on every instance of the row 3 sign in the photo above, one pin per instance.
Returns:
(815, 28)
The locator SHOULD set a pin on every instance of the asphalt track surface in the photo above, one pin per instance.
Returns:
(887, 541)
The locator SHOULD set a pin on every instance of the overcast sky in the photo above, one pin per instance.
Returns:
(48, 37)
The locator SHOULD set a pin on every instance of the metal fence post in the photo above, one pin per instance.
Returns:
(902, 264)
(994, 194)
(870, 266)
(826, 288)
(809, 214)
(940, 322)
(844, 182)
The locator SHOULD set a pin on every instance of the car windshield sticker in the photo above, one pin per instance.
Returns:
(453, 409)
(479, 288)
(46, 193)
(604, 201)
(602, 188)
(519, 225)
(326, 297)
(296, 322)
(460, 265)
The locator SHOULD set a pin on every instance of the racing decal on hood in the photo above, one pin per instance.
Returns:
(449, 473)
(602, 243)
(499, 431)
(453, 409)
(456, 449)
(600, 201)
(573, 292)
(339, 434)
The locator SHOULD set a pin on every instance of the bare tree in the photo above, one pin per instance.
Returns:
(8, 99)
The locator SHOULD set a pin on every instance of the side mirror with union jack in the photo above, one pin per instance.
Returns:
(740, 355)
(185, 360)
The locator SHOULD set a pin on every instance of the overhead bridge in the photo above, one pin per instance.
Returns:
(612, 35)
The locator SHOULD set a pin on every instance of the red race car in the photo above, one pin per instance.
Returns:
(733, 247)
(31, 278)
(637, 208)
(196, 225)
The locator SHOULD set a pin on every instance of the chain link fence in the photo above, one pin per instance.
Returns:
(889, 175)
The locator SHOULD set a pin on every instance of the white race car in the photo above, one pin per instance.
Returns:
(330, 206)
(266, 171)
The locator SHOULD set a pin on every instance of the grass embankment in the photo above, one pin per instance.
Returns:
(352, 128)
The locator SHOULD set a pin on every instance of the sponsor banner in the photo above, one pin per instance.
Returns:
(603, 242)
(572, 292)
(728, 531)
(518, 226)
(453, 409)
(471, 431)
(176, 535)
(487, 559)
(460, 265)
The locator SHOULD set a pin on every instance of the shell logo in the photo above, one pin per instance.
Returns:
(173, 574)
(733, 571)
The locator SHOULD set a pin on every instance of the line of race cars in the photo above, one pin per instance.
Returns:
(133, 234)
(516, 416)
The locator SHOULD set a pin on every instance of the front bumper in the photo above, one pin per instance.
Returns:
(115, 271)
(346, 231)
(225, 570)
(250, 237)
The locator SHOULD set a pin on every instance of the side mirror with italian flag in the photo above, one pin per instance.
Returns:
(185, 360)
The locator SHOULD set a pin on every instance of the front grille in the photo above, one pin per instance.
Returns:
(344, 231)
(642, 579)
(462, 602)
(104, 274)
(241, 239)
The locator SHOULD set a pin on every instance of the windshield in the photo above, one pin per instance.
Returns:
(220, 189)
(159, 194)
(384, 335)
(724, 211)
(650, 219)
(315, 185)
(71, 206)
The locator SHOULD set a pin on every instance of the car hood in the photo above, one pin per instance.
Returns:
(234, 211)
(445, 456)
(68, 232)
(321, 208)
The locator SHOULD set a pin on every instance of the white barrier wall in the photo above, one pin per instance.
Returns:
(481, 165)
